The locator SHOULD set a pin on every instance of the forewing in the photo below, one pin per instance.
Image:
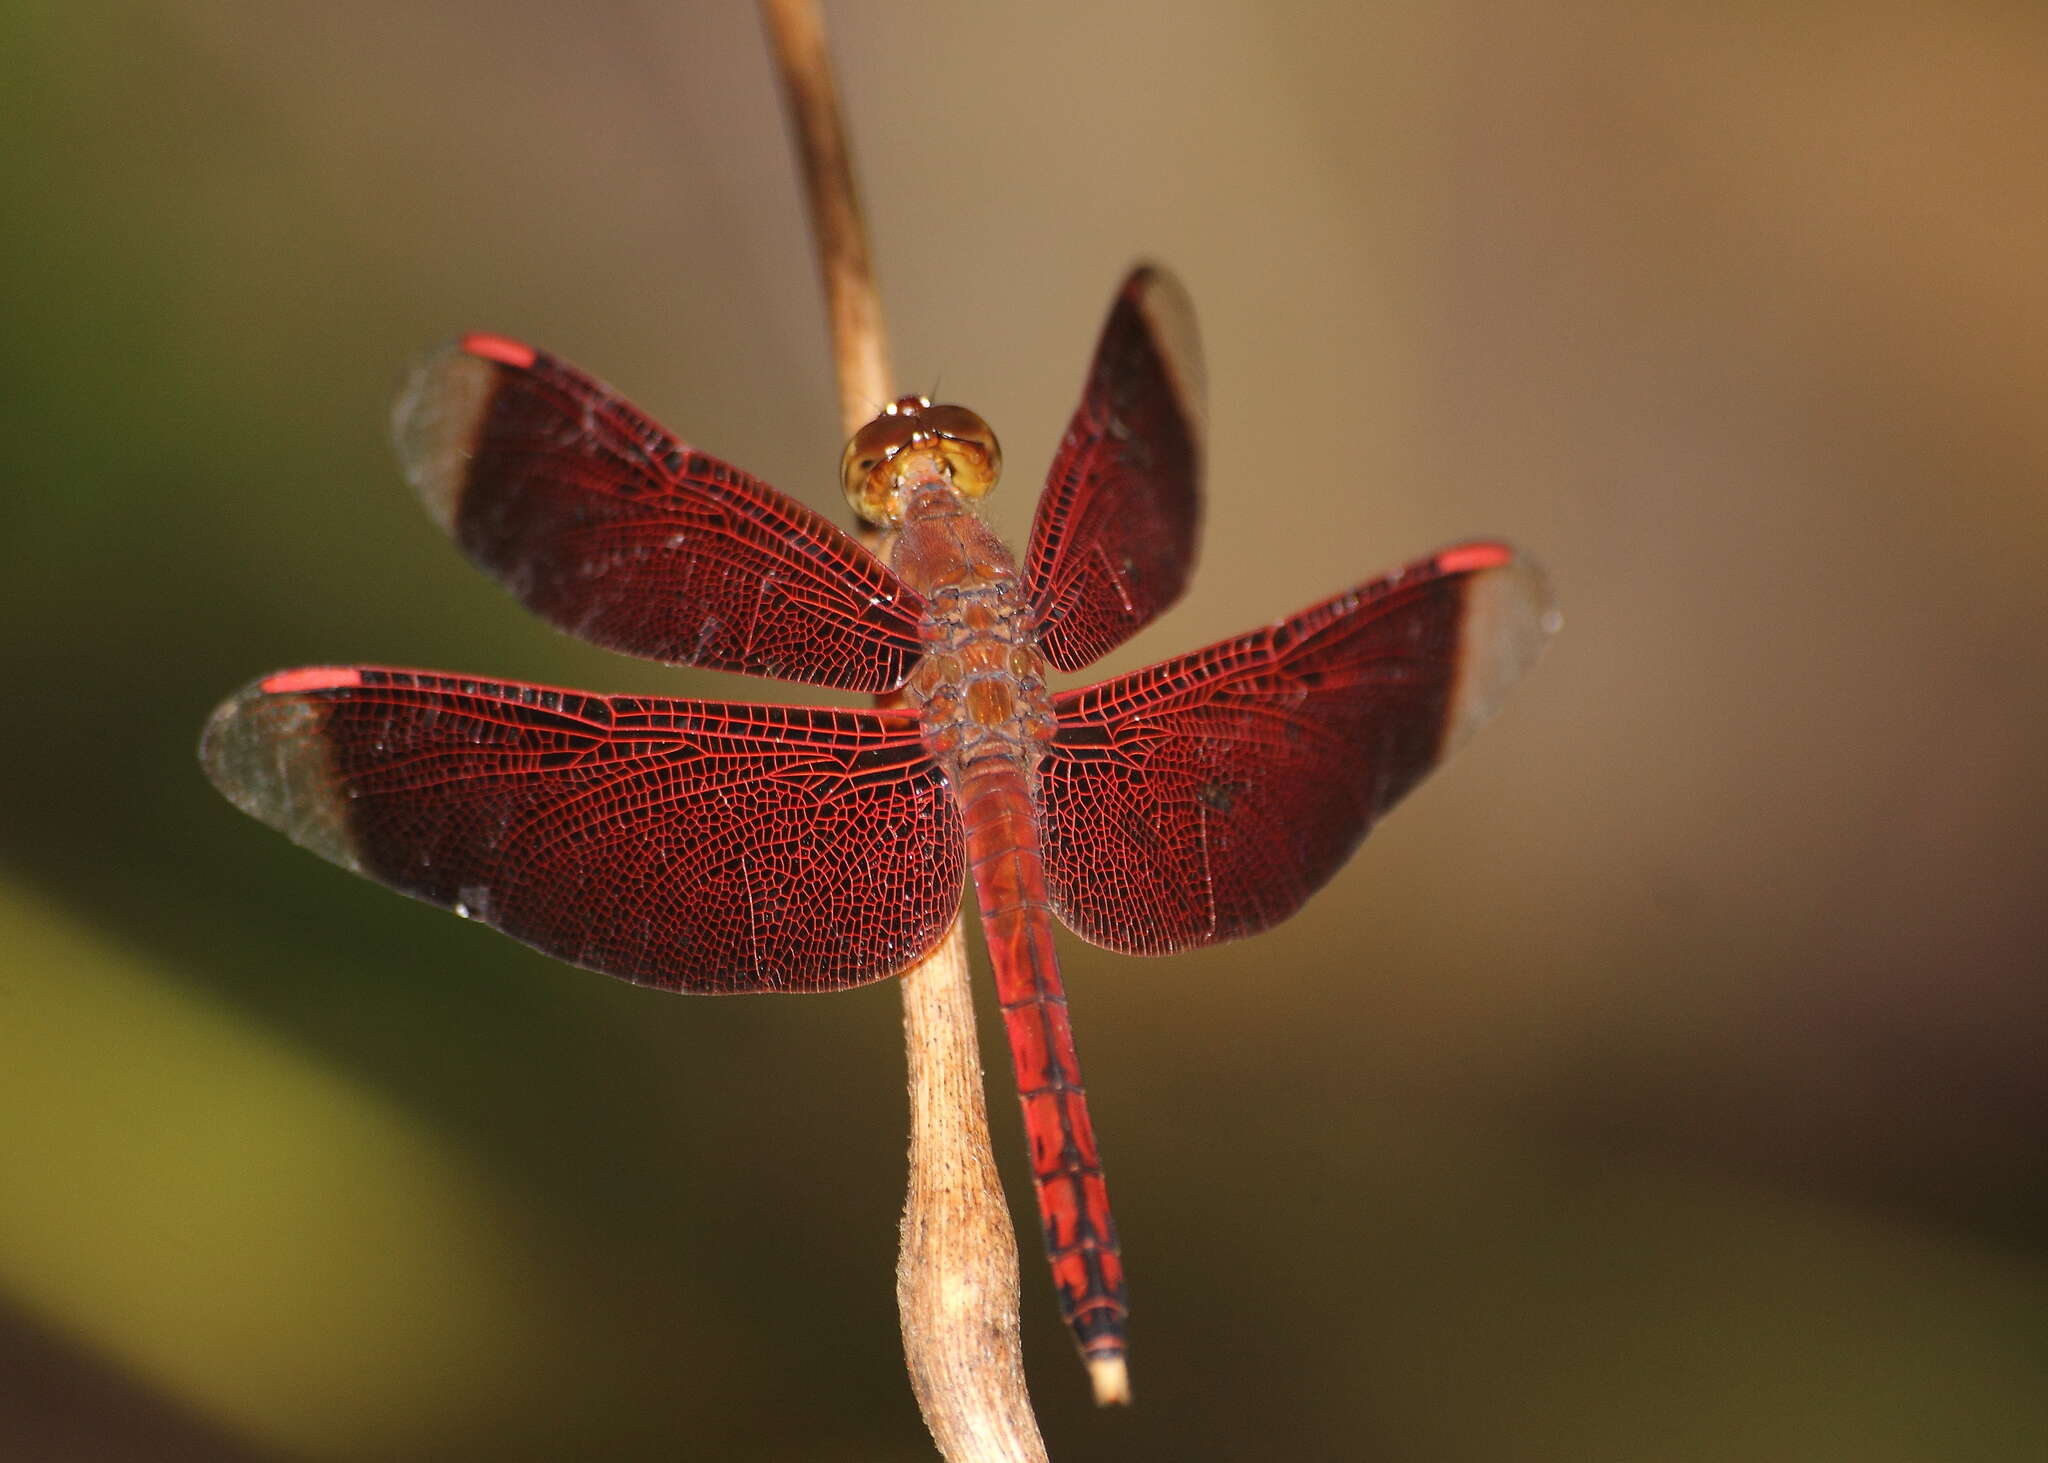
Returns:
(1207, 797)
(684, 844)
(1114, 538)
(607, 527)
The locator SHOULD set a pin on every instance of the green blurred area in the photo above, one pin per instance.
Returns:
(1663, 1082)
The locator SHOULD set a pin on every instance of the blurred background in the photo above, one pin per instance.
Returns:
(1664, 1080)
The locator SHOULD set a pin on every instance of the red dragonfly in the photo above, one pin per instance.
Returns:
(720, 847)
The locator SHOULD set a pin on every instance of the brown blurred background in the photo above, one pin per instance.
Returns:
(1664, 1081)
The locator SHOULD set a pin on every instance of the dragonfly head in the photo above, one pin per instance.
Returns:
(913, 443)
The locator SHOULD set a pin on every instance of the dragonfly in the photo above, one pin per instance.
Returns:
(720, 847)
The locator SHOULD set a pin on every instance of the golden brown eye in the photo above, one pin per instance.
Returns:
(973, 453)
(871, 447)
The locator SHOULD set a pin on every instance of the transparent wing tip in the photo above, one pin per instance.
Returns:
(438, 413)
(1509, 617)
(265, 749)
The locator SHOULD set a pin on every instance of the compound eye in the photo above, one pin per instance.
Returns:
(871, 448)
(975, 456)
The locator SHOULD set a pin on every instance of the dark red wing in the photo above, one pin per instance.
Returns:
(1114, 538)
(1207, 797)
(682, 844)
(607, 527)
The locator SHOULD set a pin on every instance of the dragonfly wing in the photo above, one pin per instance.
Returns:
(684, 844)
(1114, 538)
(1207, 797)
(607, 527)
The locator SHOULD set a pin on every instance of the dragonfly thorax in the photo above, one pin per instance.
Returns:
(980, 688)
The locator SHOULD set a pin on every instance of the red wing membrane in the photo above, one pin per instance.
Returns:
(605, 526)
(683, 844)
(1208, 796)
(1114, 537)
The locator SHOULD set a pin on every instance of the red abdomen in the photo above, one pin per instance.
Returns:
(1009, 885)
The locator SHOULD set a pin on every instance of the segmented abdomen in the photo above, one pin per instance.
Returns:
(1073, 1202)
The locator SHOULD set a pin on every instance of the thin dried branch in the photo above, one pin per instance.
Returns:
(956, 1270)
(860, 346)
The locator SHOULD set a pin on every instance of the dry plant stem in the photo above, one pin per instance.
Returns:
(956, 1271)
(860, 348)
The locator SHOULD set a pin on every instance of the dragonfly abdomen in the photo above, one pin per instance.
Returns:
(1066, 1169)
